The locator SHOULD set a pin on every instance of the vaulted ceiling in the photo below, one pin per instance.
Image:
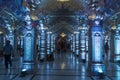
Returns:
(58, 15)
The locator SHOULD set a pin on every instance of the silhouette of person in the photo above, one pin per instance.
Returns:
(106, 48)
(8, 53)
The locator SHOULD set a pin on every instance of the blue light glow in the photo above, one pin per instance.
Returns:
(117, 45)
(28, 47)
(77, 43)
(24, 70)
(97, 49)
(100, 70)
(97, 22)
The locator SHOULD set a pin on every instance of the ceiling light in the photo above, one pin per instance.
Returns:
(63, 35)
(92, 16)
(34, 17)
(1, 32)
(113, 27)
(62, 0)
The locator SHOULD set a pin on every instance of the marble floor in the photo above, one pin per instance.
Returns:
(64, 67)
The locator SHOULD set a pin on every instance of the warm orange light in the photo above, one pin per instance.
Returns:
(62, 0)
(63, 34)
(34, 17)
(1, 32)
(93, 16)
(113, 27)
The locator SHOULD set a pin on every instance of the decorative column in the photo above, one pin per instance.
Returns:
(117, 44)
(73, 44)
(77, 43)
(15, 43)
(96, 66)
(28, 57)
(48, 43)
(52, 48)
(38, 43)
(112, 43)
(82, 45)
(43, 44)
(52, 44)
(86, 43)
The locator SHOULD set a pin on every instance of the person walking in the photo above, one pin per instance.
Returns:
(8, 51)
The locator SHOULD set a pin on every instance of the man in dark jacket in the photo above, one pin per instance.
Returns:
(7, 53)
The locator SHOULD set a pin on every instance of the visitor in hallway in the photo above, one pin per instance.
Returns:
(106, 48)
(8, 51)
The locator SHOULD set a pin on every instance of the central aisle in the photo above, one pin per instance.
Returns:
(64, 67)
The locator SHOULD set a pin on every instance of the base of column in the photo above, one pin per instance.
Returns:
(50, 57)
(96, 69)
(27, 68)
(117, 58)
(83, 60)
(42, 57)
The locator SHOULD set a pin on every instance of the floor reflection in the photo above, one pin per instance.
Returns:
(64, 67)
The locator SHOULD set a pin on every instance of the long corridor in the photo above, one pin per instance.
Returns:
(60, 39)
(64, 67)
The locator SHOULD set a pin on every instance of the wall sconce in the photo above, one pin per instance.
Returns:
(113, 27)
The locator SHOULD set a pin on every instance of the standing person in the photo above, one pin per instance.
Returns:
(8, 50)
(106, 47)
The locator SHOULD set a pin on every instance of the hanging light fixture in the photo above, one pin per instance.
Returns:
(63, 35)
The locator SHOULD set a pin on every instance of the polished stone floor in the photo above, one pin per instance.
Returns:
(64, 67)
